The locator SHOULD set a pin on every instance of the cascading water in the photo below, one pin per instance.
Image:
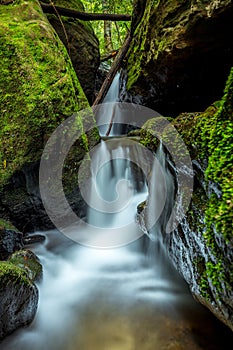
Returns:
(120, 298)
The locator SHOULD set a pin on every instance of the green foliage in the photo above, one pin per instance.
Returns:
(119, 29)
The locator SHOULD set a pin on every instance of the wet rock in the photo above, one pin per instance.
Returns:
(200, 247)
(180, 56)
(10, 241)
(19, 298)
(34, 238)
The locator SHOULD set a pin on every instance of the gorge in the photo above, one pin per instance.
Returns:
(134, 288)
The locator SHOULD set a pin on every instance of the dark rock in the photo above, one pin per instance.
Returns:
(180, 55)
(21, 202)
(31, 239)
(10, 241)
(19, 299)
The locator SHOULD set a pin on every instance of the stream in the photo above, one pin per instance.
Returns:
(125, 297)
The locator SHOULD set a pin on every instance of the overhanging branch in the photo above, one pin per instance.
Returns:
(83, 15)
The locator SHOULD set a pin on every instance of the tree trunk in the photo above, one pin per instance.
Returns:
(107, 28)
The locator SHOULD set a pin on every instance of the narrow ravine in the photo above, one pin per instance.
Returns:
(120, 294)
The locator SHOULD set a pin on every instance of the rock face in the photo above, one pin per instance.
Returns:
(81, 43)
(18, 292)
(39, 90)
(180, 55)
(201, 246)
(10, 241)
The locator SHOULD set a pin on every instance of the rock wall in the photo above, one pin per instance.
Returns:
(201, 247)
(39, 89)
(180, 54)
(81, 43)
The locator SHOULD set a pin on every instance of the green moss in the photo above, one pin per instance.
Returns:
(38, 86)
(72, 5)
(5, 224)
(9, 273)
(209, 137)
(27, 261)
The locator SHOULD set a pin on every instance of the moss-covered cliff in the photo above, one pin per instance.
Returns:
(201, 246)
(179, 61)
(38, 90)
(81, 43)
(209, 136)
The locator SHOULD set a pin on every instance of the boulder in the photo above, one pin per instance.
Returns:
(10, 241)
(81, 43)
(180, 55)
(40, 89)
(18, 293)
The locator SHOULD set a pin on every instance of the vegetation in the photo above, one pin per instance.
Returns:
(209, 136)
(111, 34)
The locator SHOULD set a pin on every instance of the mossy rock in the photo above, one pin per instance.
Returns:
(29, 262)
(209, 137)
(6, 224)
(19, 299)
(81, 44)
(38, 85)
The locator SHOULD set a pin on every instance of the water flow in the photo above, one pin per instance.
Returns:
(109, 116)
(162, 194)
(125, 298)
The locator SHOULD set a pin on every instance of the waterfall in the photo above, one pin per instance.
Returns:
(116, 186)
(109, 118)
(162, 194)
(117, 298)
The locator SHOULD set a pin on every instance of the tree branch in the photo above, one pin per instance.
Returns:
(112, 72)
(85, 16)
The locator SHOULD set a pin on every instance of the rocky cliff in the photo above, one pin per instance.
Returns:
(183, 66)
(39, 89)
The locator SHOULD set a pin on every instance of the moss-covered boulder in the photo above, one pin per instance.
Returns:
(180, 54)
(29, 262)
(81, 43)
(18, 293)
(38, 90)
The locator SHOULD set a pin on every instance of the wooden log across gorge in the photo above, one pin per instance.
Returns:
(84, 16)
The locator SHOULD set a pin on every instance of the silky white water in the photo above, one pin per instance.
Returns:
(117, 290)
(128, 297)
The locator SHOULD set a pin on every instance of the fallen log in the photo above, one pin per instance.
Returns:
(84, 16)
(113, 70)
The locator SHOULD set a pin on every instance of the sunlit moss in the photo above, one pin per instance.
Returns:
(38, 85)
